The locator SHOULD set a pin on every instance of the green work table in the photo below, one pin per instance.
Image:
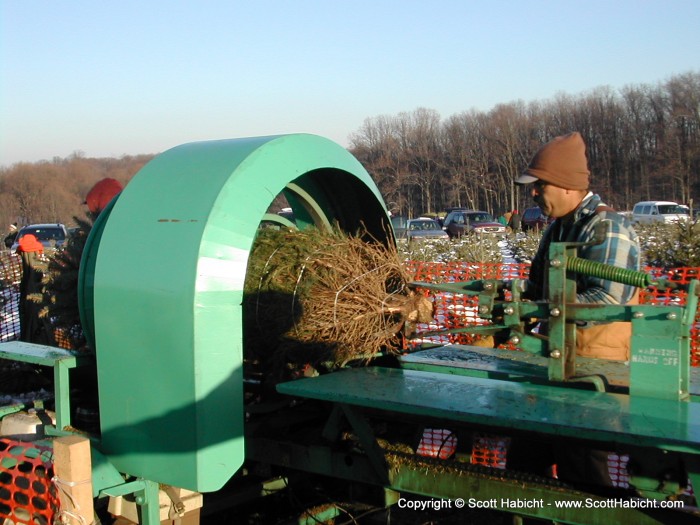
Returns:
(598, 416)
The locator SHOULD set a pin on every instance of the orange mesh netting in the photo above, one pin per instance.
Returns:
(460, 311)
(617, 468)
(490, 450)
(27, 496)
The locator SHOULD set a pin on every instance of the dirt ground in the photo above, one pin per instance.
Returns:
(352, 514)
(287, 506)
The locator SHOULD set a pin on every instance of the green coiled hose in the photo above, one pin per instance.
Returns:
(609, 272)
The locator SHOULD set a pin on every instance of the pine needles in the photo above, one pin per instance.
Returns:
(324, 299)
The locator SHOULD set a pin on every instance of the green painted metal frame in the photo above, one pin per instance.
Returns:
(445, 480)
(519, 366)
(146, 496)
(364, 432)
(165, 287)
(449, 484)
(660, 346)
(659, 367)
(61, 360)
(667, 427)
(103, 473)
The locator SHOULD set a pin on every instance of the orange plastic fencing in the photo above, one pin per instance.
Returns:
(617, 468)
(27, 495)
(490, 450)
(460, 311)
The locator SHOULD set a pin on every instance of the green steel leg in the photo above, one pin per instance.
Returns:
(148, 500)
(62, 391)
(369, 442)
(331, 430)
(146, 496)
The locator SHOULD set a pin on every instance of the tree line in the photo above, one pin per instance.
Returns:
(54, 191)
(643, 142)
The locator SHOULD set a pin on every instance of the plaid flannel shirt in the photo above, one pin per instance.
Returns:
(620, 248)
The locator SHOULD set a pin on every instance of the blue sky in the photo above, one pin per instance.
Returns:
(121, 78)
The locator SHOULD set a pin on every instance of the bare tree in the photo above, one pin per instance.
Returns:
(643, 142)
(54, 191)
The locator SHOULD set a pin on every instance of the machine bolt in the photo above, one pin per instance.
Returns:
(637, 315)
(139, 500)
(555, 312)
(555, 262)
(514, 340)
(672, 316)
(484, 309)
(488, 286)
(508, 310)
(555, 354)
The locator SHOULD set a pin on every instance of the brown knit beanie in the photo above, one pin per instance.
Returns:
(562, 162)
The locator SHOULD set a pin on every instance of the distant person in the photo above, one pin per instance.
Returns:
(32, 327)
(11, 235)
(507, 216)
(515, 221)
(101, 194)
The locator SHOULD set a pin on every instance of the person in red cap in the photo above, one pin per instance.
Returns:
(32, 328)
(101, 194)
(558, 180)
(29, 243)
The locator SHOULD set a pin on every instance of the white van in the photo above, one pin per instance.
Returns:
(659, 211)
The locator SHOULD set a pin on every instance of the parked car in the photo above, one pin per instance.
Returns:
(424, 229)
(52, 236)
(534, 219)
(398, 222)
(659, 211)
(462, 221)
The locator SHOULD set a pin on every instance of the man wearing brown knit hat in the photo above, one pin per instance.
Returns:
(558, 179)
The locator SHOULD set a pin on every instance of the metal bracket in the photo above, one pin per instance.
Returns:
(146, 496)
(364, 432)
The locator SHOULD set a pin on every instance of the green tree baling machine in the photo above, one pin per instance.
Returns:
(161, 290)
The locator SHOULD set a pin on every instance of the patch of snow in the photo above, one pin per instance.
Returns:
(25, 397)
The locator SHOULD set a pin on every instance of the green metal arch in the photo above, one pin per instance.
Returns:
(169, 269)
